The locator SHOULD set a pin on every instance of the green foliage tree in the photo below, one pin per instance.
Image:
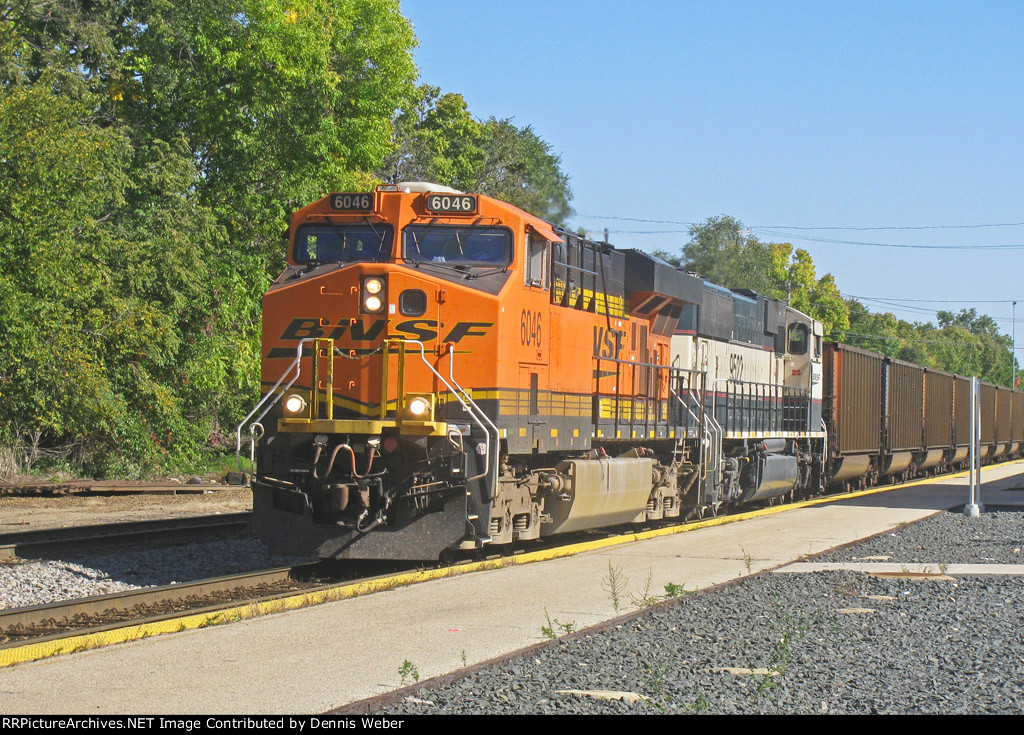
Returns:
(724, 252)
(150, 153)
(963, 343)
(437, 139)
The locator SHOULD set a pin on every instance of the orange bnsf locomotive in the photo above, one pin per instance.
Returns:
(444, 371)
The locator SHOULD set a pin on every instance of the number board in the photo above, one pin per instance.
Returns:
(451, 203)
(349, 202)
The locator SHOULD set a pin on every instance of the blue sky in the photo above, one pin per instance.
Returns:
(781, 114)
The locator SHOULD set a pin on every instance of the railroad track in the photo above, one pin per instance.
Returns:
(115, 487)
(137, 607)
(38, 543)
(149, 604)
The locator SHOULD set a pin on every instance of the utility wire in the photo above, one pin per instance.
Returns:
(935, 301)
(777, 231)
(802, 227)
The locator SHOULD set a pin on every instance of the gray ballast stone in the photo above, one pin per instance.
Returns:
(929, 646)
(39, 582)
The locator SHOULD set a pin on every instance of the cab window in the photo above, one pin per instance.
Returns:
(798, 334)
(483, 246)
(342, 243)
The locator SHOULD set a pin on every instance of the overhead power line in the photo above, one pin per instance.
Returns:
(805, 227)
(935, 301)
(780, 231)
(1015, 246)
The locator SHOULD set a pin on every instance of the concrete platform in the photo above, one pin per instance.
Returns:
(315, 659)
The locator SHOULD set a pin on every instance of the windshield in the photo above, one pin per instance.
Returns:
(484, 246)
(343, 243)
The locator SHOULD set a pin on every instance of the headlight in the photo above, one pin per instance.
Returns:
(419, 406)
(294, 404)
(372, 295)
(373, 303)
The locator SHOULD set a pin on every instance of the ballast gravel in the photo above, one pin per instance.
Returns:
(825, 642)
(38, 582)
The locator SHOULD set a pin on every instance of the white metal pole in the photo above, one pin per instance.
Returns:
(977, 466)
(1013, 350)
(971, 509)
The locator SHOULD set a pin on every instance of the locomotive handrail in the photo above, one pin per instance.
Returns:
(296, 365)
(719, 432)
(700, 425)
(484, 416)
(458, 397)
(777, 393)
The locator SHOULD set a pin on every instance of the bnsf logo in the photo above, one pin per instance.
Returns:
(357, 330)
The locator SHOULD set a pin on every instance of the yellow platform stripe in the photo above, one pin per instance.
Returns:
(87, 641)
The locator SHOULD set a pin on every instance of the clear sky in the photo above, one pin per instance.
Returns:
(781, 114)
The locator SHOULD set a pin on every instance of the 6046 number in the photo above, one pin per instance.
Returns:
(530, 328)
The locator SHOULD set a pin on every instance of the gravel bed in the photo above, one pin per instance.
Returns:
(837, 642)
(997, 537)
(38, 582)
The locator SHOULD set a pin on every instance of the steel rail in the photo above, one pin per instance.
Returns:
(66, 612)
(13, 545)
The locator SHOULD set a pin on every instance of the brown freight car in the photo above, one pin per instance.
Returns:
(961, 419)
(1003, 427)
(939, 430)
(904, 417)
(988, 424)
(1016, 422)
(853, 411)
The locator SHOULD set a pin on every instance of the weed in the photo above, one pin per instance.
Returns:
(554, 628)
(748, 560)
(700, 704)
(615, 585)
(788, 627)
(653, 682)
(675, 590)
(943, 568)
(464, 664)
(646, 599)
(408, 672)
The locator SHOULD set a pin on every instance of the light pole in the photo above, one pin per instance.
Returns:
(1013, 350)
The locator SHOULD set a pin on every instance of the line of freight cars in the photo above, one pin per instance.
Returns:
(892, 420)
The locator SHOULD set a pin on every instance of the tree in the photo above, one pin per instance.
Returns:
(437, 139)
(150, 153)
(721, 250)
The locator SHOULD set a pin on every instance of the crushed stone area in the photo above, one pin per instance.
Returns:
(827, 642)
(997, 537)
(30, 513)
(38, 582)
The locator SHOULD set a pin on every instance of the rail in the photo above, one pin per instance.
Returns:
(760, 407)
(465, 400)
(649, 388)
